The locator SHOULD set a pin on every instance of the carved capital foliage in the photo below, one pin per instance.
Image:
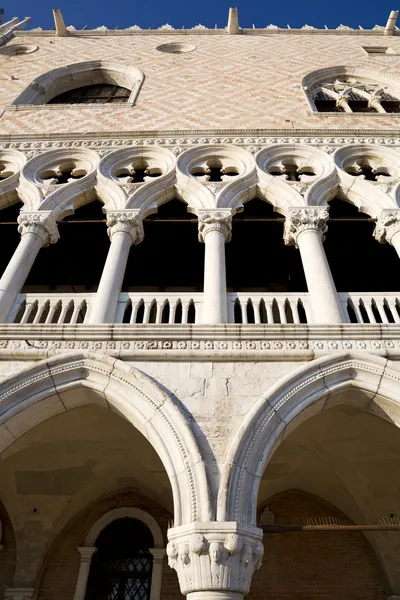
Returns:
(127, 221)
(215, 220)
(387, 226)
(215, 556)
(303, 219)
(39, 223)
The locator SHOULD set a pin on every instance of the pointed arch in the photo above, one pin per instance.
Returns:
(290, 401)
(35, 394)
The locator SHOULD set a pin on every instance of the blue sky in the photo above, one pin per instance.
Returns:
(188, 13)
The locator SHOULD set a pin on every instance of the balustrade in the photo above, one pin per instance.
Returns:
(187, 308)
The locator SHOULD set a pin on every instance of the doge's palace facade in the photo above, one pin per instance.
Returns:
(199, 312)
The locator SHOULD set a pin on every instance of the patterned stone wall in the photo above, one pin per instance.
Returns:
(227, 82)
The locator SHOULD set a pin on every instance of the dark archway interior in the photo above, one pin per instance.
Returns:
(257, 258)
(358, 262)
(170, 258)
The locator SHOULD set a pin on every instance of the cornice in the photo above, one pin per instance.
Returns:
(179, 140)
(224, 343)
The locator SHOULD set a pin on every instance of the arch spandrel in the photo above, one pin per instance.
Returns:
(293, 399)
(40, 392)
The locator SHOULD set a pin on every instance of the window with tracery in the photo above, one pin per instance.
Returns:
(352, 95)
(102, 93)
(122, 567)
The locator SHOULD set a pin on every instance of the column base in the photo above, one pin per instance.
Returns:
(215, 595)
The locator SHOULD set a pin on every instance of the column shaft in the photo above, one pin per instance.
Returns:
(106, 300)
(215, 301)
(17, 271)
(321, 287)
(395, 241)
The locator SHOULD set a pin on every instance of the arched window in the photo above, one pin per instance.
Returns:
(121, 568)
(103, 93)
(349, 90)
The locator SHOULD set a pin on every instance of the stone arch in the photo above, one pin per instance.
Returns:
(292, 400)
(121, 513)
(45, 87)
(33, 396)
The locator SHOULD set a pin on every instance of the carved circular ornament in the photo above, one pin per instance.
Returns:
(176, 48)
(19, 49)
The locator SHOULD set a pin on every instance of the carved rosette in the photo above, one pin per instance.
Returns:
(215, 220)
(387, 226)
(304, 219)
(127, 221)
(41, 224)
(221, 558)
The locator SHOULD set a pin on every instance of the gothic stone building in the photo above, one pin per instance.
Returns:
(200, 313)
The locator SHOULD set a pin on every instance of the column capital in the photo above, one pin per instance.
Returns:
(40, 223)
(215, 220)
(218, 556)
(158, 554)
(387, 226)
(86, 552)
(305, 219)
(127, 221)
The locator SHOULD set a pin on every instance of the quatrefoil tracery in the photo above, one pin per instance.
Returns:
(213, 171)
(368, 169)
(137, 172)
(292, 171)
(62, 173)
(6, 171)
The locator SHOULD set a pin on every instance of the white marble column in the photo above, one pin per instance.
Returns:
(216, 560)
(86, 553)
(387, 229)
(305, 227)
(156, 577)
(215, 227)
(124, 229)
(37, 231)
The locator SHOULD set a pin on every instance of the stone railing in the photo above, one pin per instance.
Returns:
(187, 308)
(167, 307)
(50, 308)
(371, 308)
(252, 307)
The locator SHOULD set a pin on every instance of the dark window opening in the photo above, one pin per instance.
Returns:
(358, 262)
(170, 258)
(103, 93)
(121, 568)
(75, 263)
(10, 237)
(391, 106)
(257, 258)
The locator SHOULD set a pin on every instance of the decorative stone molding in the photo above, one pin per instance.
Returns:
(387, 226)
(127, 221)
(215, 220)
(59, 180)
(11, 163)
(303, 219)
(296, 175)
(116, 184)
(235, 184)
(41, 224)
(215, 556)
